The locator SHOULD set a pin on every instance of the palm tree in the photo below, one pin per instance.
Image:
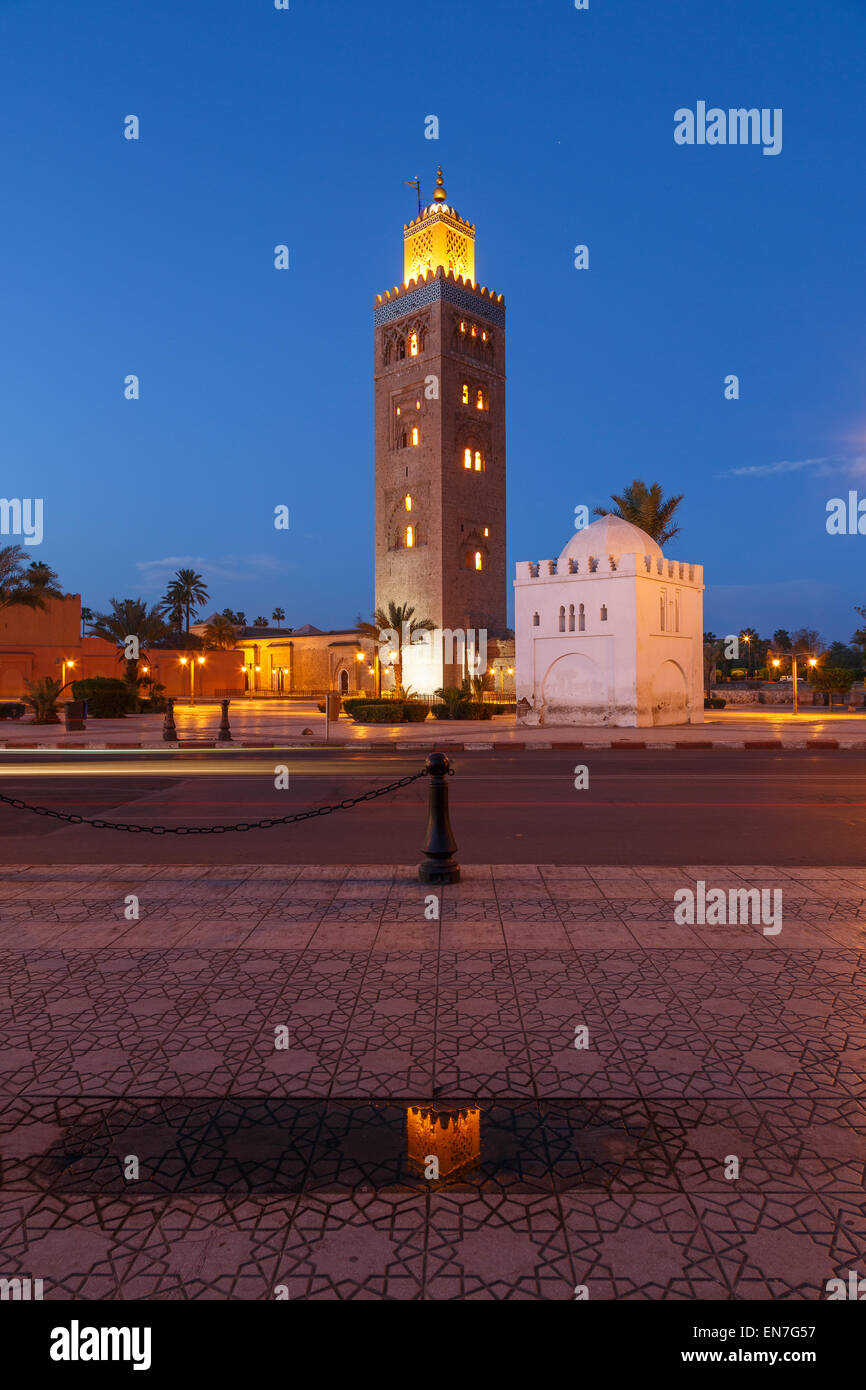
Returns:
(87, 616)
(750, 637)
(278, 616)
(130, 617)
(185, 592)
(643, 506)
(398, 617)
(16, 591)
(782, 639)
(260, 621)
(220, 633)
(713, 648)
(44, 579)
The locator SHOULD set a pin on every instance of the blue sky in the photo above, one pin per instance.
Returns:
(261, 127)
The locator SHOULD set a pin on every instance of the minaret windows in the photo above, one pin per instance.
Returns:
(466, 393)
(407, 501)
(413, 344)
(410, 537)
(562, 619)
(467, 458)
(480, 403)
(415, 435)
(571, 617)
(581, 618)
(478, 559)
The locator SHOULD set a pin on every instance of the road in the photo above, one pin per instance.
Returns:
(718, 807)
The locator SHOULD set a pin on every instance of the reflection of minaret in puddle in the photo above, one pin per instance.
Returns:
(444, 1140)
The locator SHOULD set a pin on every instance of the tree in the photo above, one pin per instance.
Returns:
(220, 633)
(806, 639)
(260, 622)
(87, 616)
(643, 506)
(751, 639)
(859, 638)
(713, 649)
(832, 679)
(399, 619)
(130, 617)
(42, 696)
(43, 579)
(782, 639)
(278, 616)
(185, 592)
(838, 654)
(15, 589)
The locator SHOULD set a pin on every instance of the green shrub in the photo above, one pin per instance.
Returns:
(356, 701)
(107, 697)
(12, 709)
(42, 699)
(389, 713)
(414, 712)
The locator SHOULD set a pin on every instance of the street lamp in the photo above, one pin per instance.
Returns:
(63, 668)
(183, 661)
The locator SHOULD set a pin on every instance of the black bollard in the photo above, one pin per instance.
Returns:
(225, 733)
(439, 845)
(169, 731)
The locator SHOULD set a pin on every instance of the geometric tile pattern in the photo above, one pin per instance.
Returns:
(260, 1167)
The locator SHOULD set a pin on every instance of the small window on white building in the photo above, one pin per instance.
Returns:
(535, 620)
(604, 613)
(581, 619)
(677, 611)
(562, 620)
(662, 606)
(571, 617)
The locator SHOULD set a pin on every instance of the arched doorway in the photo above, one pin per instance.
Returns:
(343, 679)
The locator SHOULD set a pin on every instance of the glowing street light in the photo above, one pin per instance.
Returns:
(185, 660)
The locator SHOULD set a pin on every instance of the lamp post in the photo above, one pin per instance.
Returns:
(64, 665)
(190, 661)
(811, 661)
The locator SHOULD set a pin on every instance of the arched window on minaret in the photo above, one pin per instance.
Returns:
(413, 344)
(410, 537)
(415, 435)
(562, 619)
(581, 618)
(479, 399)
(479, 461)
(467, 458)
(478, 562)
(571, 617)
(401, 350)
(466, 393)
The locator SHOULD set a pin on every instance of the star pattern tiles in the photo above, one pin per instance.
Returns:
(266, 1172)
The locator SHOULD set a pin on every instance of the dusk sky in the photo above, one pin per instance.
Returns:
(260, 127)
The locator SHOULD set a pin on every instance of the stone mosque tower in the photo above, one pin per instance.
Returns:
(440, 442)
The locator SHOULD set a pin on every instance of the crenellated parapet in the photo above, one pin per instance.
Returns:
(605, 566)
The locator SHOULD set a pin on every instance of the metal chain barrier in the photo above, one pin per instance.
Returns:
(267, 824)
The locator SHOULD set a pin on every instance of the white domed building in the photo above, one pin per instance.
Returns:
(610, 633)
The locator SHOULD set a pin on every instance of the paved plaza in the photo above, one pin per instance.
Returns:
(263, 1168)
(298, 722)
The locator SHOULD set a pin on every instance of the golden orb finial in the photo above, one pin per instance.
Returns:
(439, 194)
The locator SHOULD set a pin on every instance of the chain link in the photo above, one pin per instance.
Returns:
(267, 824)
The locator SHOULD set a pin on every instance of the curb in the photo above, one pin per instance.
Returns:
(701, 745)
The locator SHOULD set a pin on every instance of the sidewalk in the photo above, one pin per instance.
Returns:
(603, 1166)
(282, 724)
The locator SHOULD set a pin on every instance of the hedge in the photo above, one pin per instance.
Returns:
(107, 697)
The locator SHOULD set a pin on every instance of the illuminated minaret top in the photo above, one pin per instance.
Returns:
(439, 237)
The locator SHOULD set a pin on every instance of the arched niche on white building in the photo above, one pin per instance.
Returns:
(574, 680)
(670, 694)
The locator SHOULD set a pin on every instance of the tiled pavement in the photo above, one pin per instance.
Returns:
(262, 1168)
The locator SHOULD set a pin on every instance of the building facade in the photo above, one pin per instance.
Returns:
(440, 446)
(609, 633)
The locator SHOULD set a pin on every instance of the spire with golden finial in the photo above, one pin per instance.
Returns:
(439, 194)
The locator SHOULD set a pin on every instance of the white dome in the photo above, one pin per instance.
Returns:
(610, 535)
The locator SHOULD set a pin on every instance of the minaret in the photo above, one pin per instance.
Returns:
(440, 441)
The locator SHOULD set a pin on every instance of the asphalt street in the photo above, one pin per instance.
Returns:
(642, 807)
